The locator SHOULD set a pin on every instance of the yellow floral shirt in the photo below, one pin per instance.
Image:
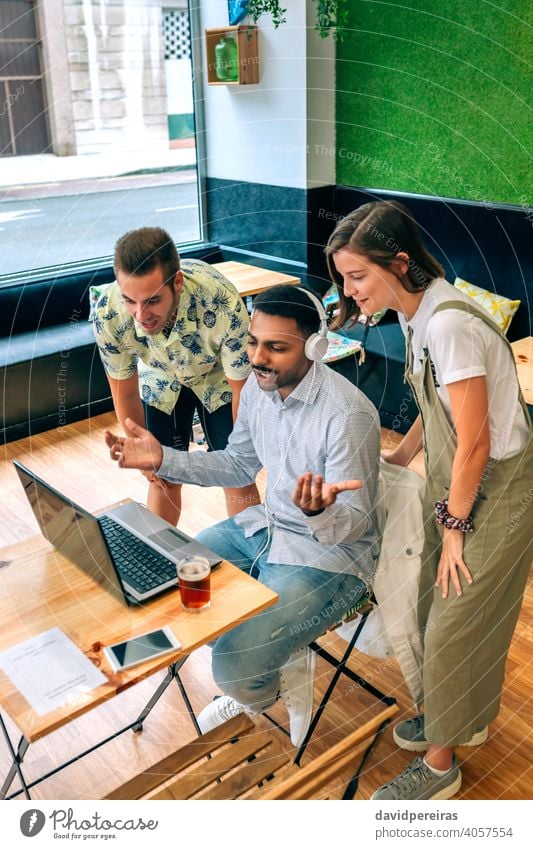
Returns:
(206, 345)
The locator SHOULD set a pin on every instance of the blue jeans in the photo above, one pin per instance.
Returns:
(247, 660)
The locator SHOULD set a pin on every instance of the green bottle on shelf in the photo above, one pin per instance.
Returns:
(227, 60)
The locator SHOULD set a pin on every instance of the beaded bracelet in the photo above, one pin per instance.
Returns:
(450, 522)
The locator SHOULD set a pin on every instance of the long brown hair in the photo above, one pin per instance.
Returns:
(379, 231)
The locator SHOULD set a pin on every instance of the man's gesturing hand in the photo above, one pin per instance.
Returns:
(142, 451)
(312, 495)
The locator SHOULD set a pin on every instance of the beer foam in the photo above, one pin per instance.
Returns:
(194, 569)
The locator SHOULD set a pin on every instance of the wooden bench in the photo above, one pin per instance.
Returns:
(237, 760)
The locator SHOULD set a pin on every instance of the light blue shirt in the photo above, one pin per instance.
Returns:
(325, 426)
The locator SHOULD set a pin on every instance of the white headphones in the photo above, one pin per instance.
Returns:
(317, 344)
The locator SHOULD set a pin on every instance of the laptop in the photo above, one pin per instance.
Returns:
(129, 551)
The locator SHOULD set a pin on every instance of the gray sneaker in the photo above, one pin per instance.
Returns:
(417, 781)
(409, 735)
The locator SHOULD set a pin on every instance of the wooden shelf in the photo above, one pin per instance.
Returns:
(247, 53)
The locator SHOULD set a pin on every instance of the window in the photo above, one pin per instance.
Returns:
(97, 128)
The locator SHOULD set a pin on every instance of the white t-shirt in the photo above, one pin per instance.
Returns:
(462, 346)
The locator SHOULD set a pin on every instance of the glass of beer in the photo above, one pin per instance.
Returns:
(194, 575)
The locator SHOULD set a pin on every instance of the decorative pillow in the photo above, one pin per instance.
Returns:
(339, 347)
(331, 299)
(500, 309)
(95, 293)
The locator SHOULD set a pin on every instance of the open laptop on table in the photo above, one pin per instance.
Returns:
(128, 550)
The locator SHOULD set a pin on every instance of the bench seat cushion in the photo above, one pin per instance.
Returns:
(33, 344)
(50, 378)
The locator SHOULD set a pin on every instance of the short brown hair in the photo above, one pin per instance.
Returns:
(139, 251)
(379, 231)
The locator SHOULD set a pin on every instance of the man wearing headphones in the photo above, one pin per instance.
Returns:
(312, 539)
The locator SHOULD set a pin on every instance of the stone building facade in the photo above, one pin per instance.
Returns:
(104, 72)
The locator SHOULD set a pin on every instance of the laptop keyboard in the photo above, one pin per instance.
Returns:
(139, 565)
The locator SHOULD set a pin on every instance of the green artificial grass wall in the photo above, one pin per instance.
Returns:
(435, 98)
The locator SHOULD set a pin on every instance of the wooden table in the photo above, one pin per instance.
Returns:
(41, 589)
(250, 280)
(523, 355)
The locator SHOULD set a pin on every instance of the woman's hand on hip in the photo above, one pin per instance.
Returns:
(451, 563)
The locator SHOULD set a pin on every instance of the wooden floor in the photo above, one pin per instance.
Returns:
(75, 460)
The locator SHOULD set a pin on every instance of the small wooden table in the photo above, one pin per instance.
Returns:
(250, 280)
(41, 589)
(523, 356)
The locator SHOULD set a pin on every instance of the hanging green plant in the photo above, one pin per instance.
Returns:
(256, 8)
(331, 16)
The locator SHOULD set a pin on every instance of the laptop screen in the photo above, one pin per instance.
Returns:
(70, 529)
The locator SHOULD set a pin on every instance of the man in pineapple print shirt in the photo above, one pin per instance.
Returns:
(172, 339)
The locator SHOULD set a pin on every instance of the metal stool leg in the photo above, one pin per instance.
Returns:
(15, 768)
(187, 701)
(332, 684)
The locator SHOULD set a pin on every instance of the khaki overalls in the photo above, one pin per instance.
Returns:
(467, 638)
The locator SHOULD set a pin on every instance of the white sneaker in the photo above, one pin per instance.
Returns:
(217, 712)
(297, 678)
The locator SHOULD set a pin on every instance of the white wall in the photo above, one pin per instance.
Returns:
(262, 133)
(320, 106)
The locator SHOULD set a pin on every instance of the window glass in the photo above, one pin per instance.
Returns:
(97, 127)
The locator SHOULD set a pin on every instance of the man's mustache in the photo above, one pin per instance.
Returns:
(265, 370)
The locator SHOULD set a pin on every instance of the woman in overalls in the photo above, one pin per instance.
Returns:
(477, 437)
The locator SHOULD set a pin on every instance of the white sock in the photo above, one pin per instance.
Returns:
(439, 772)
